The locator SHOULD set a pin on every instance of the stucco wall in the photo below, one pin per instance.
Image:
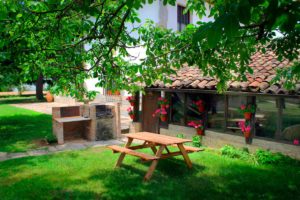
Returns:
(217, 140)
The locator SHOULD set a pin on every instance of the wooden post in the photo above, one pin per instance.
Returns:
(251, 100)
(225, 112)
(185, 109)
(278, 134)
(136, 107)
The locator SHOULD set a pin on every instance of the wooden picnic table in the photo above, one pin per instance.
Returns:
(158, 143)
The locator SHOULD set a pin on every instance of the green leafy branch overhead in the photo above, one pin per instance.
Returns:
(47, 37)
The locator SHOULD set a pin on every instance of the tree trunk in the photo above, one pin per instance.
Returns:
(39, 88)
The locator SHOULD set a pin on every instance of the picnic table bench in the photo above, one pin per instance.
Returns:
(158, 143)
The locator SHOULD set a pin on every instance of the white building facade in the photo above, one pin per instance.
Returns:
(168, 16)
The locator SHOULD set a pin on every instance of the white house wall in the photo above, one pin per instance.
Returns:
(164, 16)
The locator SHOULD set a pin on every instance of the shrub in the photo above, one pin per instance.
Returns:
(267, 157)
(263, 157)
(197, 141)
(51, 139)
(232, 152)
(180, 135)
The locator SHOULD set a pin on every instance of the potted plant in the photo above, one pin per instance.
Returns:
(162, 112)
(246, 129)
(131, 100)
(199, 104)
(247, 110)
(163, 102)
(130, 113)
(198, 125)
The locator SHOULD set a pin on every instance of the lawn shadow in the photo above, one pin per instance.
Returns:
(19, 99)
(17, 132)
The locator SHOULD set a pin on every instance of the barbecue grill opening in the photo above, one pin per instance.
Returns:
(103, 111)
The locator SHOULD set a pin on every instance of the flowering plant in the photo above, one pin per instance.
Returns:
(296, 142)
(244, 127)
(130, 111)
(163, 101)
(130, 98)
(161, 111)
(198, 102)
(247, 108)
(196, 124)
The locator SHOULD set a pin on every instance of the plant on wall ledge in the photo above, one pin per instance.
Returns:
(246, 129)
(162, 112)
(163, 102)
(198, 125)
(131, 100)
(130, 113)
(247, 110)
(199, 104)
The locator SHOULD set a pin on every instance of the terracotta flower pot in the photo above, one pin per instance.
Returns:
(247, 115)
(132, 116)
(163, 118)
(201, 108)
(49, 97)
(247, 134)
(200, 131)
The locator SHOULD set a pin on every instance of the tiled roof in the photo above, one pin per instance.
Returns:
(264, 70)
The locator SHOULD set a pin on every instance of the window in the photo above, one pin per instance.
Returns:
(215, 110)
(291, 119)
(234, 115)
(177, 108)
(182, 19)
(266, 117)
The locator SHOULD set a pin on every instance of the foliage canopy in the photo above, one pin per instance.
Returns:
(48, 37)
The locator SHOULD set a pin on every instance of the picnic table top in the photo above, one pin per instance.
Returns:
(157, 138)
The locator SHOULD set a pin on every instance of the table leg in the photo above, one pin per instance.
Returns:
(154, 163)
(185, 155)
(153, 148)
(122, 155)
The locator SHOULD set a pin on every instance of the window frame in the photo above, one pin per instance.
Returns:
(182, 19)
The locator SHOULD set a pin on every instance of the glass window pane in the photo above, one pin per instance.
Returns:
(291, 119)
(177, 115)
(234, 115)
(215, 109)
(266, 117)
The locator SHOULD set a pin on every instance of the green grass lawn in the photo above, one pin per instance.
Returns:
(90, 174)
(20, 127)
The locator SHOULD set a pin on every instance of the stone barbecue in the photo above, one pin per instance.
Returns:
(92, 122)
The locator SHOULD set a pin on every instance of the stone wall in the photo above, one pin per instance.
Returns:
(217, 140)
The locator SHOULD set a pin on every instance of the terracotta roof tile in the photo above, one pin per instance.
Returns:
(264, 70)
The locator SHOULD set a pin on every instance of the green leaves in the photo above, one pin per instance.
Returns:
(244, 9)
(214, 35)
(231, 25)
(3, 12)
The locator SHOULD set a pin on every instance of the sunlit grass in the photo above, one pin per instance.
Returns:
(90, 174)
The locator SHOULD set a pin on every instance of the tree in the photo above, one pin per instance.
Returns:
(48, 38)
(223, 47)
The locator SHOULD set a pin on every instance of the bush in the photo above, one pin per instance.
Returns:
(51, 139)
(197, 141)
(232, 152)
(263, 157)
(180, 135)
(267, 157)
